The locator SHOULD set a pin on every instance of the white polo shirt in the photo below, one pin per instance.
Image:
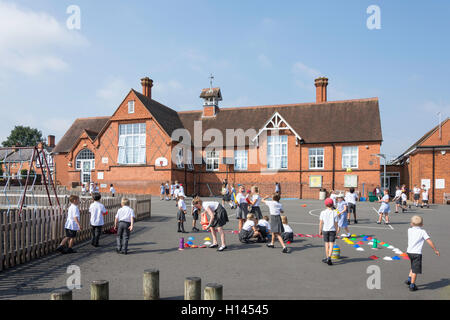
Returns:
(248, 225)
(275, 207)
(329, 217)
(125, 213)
(256, 197)
(210, 204)
(287, 228)
(425, 195)
(416, 237)
(72, 213)
(241, 198)
(181, 205)
(264, 223)
(350, 198)
(97, 210)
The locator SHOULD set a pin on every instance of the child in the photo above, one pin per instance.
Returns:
(333, 196)
(385, 208)
(255, 202)
(96, 189)
(225, 193)
(112, 190)
(342, 212)
(249, 230)
(327, 228)
(97, 211)
(404, 201)
(162, 191)
(351, 198)
(218, 218)
(172, 190)
(424, 197)
(176, 192)
(72, 225)
(181, 215)
(416, 236)
(124, 220)
(416, 191)
(397, 198)
(233, 197)
(91, 188)
(167, 189)
(276, 224)
(83, 189)
(288, 234)
(194, 216)
(242, 209)
(264, 227)
(181, 189)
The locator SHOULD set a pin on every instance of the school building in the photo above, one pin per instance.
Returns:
(303, 146)
(427, 162)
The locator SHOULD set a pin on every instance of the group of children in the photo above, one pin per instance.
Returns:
(93, 188)
(170, 191)
(123, 223)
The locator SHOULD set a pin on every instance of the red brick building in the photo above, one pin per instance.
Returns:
(427, 162)
(304, 146)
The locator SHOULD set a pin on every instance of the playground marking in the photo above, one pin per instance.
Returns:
(383, 219)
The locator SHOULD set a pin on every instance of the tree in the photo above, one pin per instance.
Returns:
(23, 136)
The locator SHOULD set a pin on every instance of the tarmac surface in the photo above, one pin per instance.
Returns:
(248, 271)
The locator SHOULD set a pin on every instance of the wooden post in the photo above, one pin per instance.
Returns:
(192, 288)
(100, 290)
(151, 284)
(213, 291)
(63, 294)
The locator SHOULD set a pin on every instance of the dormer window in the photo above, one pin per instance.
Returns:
(131, 106)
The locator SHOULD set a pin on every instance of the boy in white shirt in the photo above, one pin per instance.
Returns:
(264, 227)
(350, 198)
(97, 211)
(424, 197)
(327, 227)
(397, 198)
(112, 190)
(416, 237)
(124, 224)
(416, 191)
(333, 196)
(404, 198)
(181, 214)
(72, 225)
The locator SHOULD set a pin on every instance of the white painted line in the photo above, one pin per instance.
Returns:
(353, 226)
(383, 219)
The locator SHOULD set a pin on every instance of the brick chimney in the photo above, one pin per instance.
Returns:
(147, 85)
(321, 84)
(51, 141)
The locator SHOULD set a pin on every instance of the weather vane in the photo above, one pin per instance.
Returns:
(211, 78)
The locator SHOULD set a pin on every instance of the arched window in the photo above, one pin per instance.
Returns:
(85, 162)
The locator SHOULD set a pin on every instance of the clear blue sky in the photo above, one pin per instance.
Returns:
(260, 52)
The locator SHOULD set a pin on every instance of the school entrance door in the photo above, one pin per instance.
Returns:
(392, 181)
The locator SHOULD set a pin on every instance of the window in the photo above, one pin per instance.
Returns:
(180, 162)
(277, 152)
(240, 159)
(349, 157)
(212, 160)
(190, 165)
(131, 143)
(85, 159)
(316, 158)
(131, 106)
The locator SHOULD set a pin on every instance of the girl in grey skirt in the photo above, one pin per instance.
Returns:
(255, 202)
(276, 224)
(242, 207)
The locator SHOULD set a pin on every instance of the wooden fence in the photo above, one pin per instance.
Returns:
(38, 231)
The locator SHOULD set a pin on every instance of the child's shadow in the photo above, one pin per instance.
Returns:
(344, 260)
(306, 246)
(435, 285)
(137, 251)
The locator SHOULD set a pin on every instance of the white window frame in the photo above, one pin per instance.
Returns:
(312, 155)
(180, 162)
(131, 106)
(135, 135)
(274, 159)
(212, 160)
(241, 160)
(345, 156)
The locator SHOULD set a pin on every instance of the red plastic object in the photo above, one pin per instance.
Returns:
(303, 205)
(288, 242)
(186, 245)
(373, 257)
(360, 242)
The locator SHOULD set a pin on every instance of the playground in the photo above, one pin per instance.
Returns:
(250, 271)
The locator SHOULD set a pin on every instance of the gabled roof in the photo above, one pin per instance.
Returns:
(165, 116)
(333, 121)
(92, 126)
(211, 93)
(419, 142)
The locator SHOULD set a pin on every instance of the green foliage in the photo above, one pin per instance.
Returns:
(23, 136)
